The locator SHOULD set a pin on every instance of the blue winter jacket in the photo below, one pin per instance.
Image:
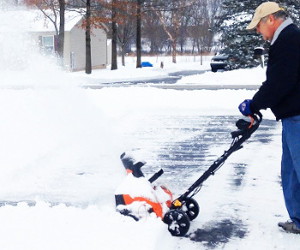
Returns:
(281, 90)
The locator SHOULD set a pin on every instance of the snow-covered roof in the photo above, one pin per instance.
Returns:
(36, 21)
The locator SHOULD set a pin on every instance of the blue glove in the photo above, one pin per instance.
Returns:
(245, 108)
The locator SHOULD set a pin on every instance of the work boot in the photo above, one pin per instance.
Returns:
(289, 227)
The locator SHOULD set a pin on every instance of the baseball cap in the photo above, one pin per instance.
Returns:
(261, 11)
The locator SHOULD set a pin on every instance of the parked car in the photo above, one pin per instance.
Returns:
(219, 62)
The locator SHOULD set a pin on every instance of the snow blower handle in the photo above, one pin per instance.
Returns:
(256, 117)
(247, 126)
(156, 176)
(252, 120)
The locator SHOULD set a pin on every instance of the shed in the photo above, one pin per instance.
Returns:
(43, 33)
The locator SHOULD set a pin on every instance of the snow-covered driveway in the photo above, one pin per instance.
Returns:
(233, 203)
(60, 150)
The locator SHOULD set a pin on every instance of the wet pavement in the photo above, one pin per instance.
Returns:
(189, 153)
(170, 82)
(192, 140)
(171, 79)
(219, 233)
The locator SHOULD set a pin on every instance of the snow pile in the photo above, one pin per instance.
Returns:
(54, 133)
(21, 63)
(247, 77)
(62, 228)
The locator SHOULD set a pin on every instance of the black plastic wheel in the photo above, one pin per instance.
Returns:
(191, 208)
(178, 222)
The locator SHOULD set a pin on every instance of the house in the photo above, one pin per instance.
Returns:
(43, 33)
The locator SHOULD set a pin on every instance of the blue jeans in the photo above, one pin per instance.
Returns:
(290, 166)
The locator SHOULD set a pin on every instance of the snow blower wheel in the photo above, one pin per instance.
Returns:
(178, 222)
(191, 208)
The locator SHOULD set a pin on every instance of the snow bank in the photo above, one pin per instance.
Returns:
(235, 77)
(21, 63)
(61, 227)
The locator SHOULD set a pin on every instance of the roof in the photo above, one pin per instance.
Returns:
(36, 21)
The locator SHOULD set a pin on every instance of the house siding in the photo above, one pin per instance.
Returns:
(74, 47)
(67, 59)
(77, 48)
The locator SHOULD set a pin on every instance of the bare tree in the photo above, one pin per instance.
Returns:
(54, 11)
(61, 31)
(202, 23)
(88, 50)
(126, 33)
(139, 33)
(171, 14)
(114, 63)
(153, 31)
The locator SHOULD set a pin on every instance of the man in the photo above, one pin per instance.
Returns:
(281, 93)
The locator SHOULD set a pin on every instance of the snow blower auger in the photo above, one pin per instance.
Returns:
(185, 209)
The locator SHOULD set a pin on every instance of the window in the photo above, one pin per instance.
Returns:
(48, 44)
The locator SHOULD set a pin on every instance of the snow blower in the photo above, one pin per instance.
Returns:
(185, 209)
(139, 197)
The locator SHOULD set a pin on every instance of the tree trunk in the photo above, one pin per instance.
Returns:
(88, 52)
(61, 32)
(138, 35)
(174, 52)
(114, 53)
(123, 54)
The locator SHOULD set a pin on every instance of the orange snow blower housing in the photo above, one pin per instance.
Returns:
(136, 196)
